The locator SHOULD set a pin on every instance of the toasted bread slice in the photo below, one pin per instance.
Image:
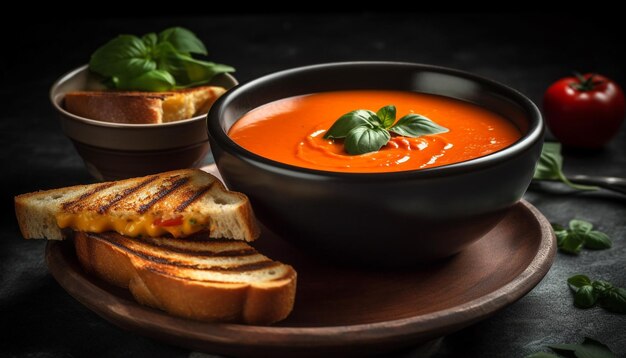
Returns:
(142, 107)
(197, 277)
(180, 202)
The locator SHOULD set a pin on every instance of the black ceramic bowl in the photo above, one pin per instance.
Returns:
(398, 218)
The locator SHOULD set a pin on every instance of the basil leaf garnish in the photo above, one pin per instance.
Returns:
(387, 115)
(349, 121)
(124, 56)
(154, 63)
(415, 125)
(183, 40)
(365, 131)
(364, 139)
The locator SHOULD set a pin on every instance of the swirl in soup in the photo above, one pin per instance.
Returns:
(291, 131)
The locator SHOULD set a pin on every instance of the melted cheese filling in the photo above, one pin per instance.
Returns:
(141, 225)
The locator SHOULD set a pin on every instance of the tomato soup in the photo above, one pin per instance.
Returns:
(291, 131)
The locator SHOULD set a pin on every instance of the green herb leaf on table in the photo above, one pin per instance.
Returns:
(614, 300)
(597, 240)
(585, 297)
(154, 63)
(588, 293)
(580, 235)
(542, 355)
(550, 166)
(590, 348)
(578, 281)
(365, 131)
(572, 243)
(580, 225)
(560, 232)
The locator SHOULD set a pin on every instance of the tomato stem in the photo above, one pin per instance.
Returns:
(584, 84)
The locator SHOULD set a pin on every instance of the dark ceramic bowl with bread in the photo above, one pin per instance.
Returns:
(388, 219)
(123, 150)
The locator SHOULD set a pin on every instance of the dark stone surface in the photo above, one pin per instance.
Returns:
(526, 52)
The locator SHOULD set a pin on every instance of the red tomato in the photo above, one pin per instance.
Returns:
(584, 111)
(169, 222)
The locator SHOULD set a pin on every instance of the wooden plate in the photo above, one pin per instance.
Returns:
(347, 311)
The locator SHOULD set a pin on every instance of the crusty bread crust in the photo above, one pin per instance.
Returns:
(168, 284)
(179, 192)
(36, 211)
(116, 107)
(141, 107)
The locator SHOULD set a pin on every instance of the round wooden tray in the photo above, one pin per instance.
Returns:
(346, 311)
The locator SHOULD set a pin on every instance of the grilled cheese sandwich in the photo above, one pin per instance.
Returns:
(179, 203)
(176, 240)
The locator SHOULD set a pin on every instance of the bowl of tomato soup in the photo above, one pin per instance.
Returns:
(377, 163)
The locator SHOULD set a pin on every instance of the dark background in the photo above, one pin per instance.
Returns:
(527, 52)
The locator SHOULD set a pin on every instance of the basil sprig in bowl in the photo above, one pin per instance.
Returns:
(154, 62)
(389, 219)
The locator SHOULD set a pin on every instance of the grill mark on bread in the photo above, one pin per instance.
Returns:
(119, 241)
(126, 192)
(193, 197)
(70, 204)
(162, 193)
(181, 250)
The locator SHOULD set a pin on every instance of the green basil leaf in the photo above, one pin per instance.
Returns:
(387, 115)
(578, 281)
(585, 297)
(593, 349)
(186, 70)
(550, 166)
(573, 242)
(614, 300)
(580, 225)
(153, 81)
(348, 122)
(597, 240)
(363, 139)
(124, 56)
(150, 40)
(199, 72)
(570, 347)
(415, 125)
(542, 355)
(560, 232)
(550, 162)
(601, 287)
(590, 348)
(183, 40)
